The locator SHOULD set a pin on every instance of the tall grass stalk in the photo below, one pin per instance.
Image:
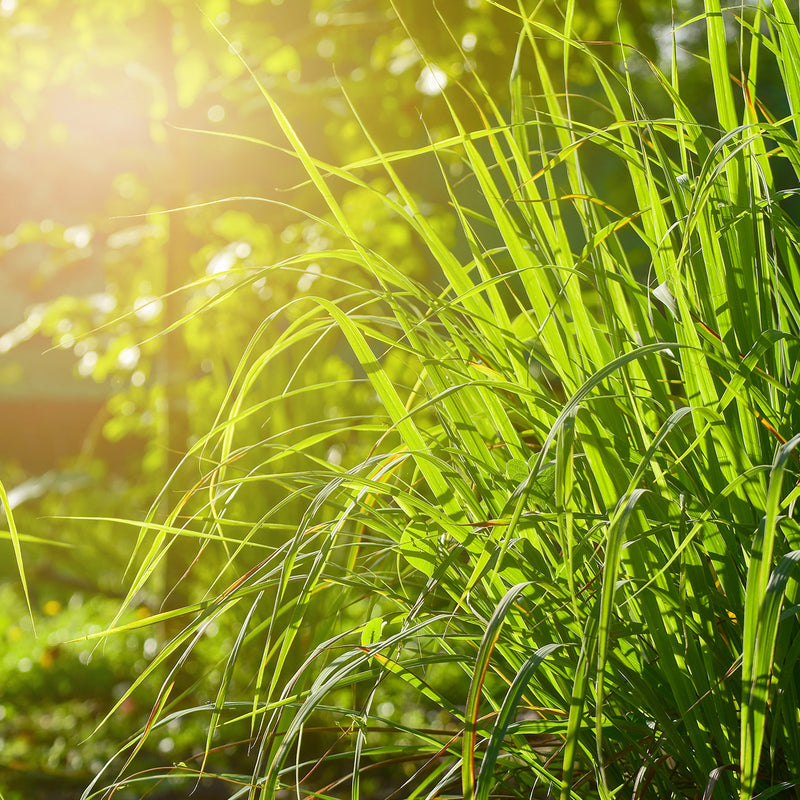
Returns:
(13, 535)
(564, 568)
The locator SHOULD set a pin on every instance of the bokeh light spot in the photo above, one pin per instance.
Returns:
(432, 80)
(313, 271)
(128, 358)
(326, 48)
(79, 235)
(216, 113)
(87, 363)
(52, 607)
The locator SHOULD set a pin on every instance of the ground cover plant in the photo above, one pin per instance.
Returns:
(551, 552)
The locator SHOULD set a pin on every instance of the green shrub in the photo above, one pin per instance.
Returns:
(53, 693)
(560, 569)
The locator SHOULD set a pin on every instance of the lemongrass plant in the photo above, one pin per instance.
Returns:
(564, 567)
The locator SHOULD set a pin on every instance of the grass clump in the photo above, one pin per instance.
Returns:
(563, 564)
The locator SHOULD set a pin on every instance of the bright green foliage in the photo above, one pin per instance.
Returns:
(562, 563)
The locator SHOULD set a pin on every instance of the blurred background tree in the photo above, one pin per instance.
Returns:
(102, 104)
(96, 97)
